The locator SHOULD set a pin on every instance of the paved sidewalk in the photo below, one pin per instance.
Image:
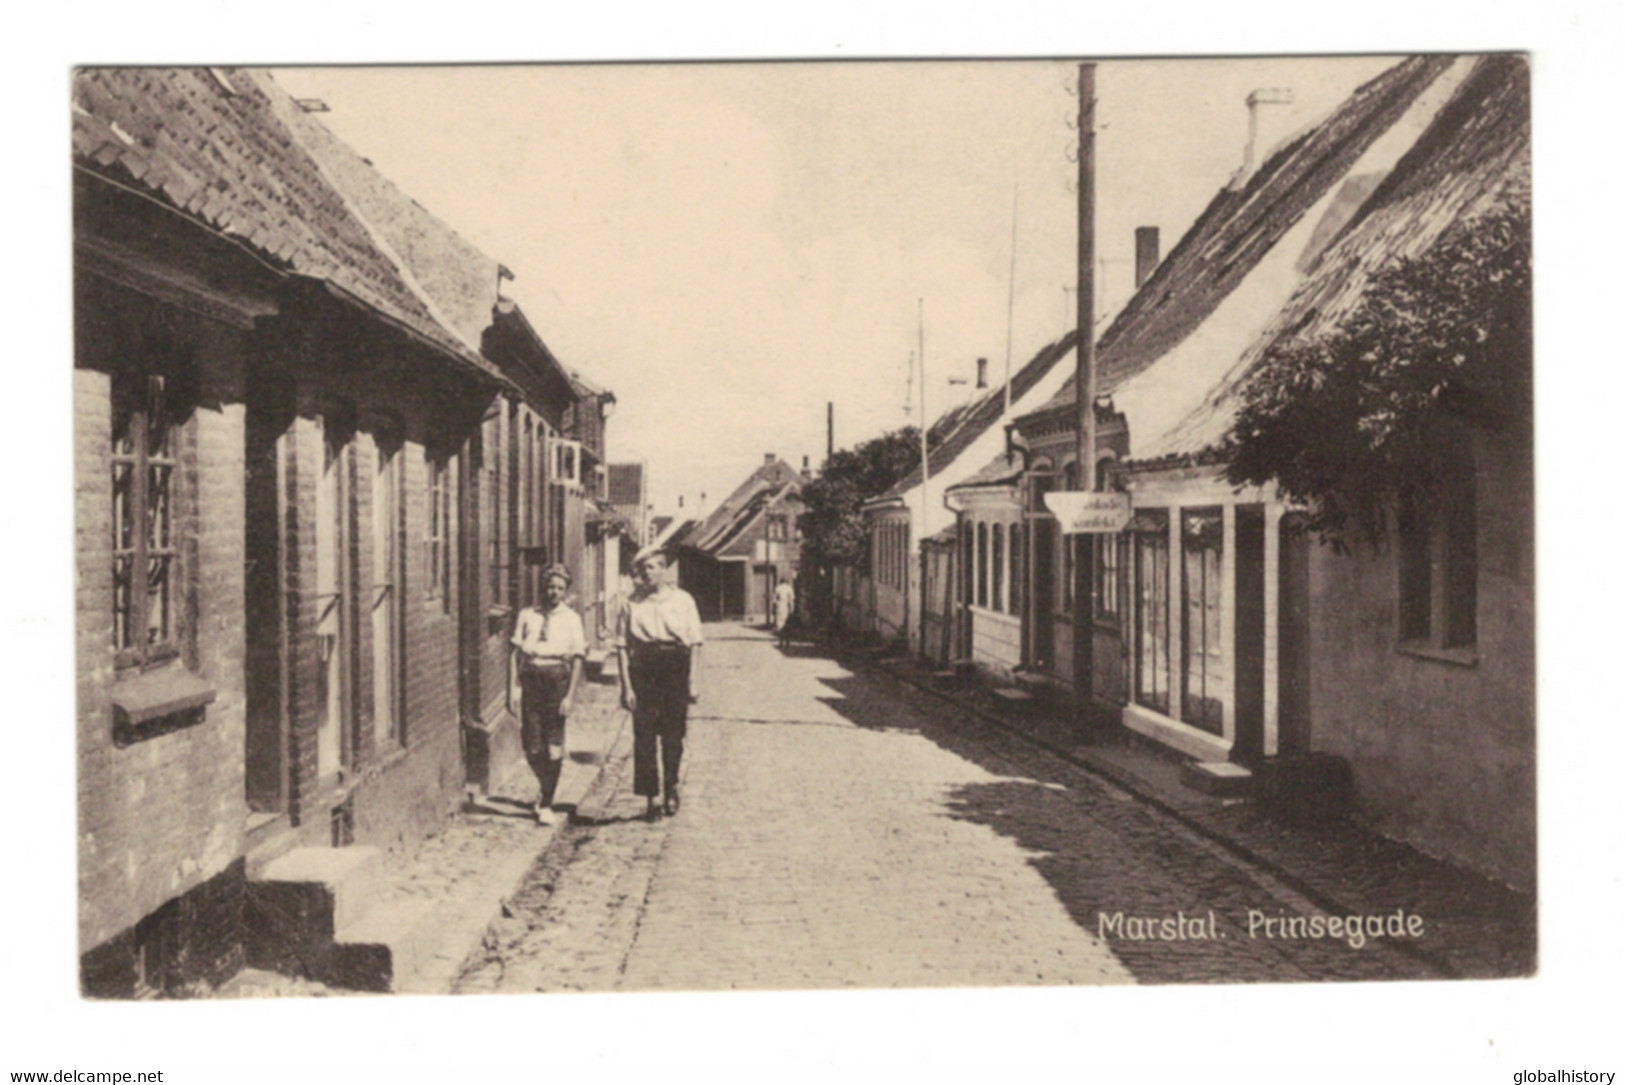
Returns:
(464, 874)
(1476, 927)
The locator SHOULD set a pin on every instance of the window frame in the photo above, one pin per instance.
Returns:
(437, 530)
(156, 397)
(1437, 568)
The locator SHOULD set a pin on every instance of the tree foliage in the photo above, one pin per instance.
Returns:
(1438, 343)
(833, 531)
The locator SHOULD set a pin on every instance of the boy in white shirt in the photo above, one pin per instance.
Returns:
(548, 646)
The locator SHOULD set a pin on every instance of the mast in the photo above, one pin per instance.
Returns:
(1010, 304)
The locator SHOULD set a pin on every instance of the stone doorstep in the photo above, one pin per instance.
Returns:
(417, 946)
(1013, 698)
(1221, 779)
(329, 914)
(348, 877)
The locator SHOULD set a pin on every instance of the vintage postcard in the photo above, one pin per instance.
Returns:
(803, 526)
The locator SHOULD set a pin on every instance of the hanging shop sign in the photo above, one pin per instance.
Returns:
(1081, 513)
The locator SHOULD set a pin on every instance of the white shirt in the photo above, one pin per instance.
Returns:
(669, 616)
(555, 636)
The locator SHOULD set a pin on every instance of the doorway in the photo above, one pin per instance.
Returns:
(334, 618)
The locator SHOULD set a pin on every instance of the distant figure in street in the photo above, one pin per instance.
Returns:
(784, 605)
(658, 637)
(548, 646)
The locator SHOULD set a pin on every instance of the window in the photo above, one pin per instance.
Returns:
(1205, 673)
(1018, 565)
(1438, 564)
(146, 574)
(387, 653)
(435, 548)
(1108, 571)
(1151, 632)
(981, 565)
(967, 563)
(1067, 551)
(997, 574)
(493, 508)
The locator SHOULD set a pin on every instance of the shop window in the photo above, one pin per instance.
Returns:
(1204, 672)
(1152, 671)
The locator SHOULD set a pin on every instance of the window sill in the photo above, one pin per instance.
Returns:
(1458, 657)
(157, 702)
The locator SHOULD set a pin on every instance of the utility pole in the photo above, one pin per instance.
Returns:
(829, 431)
(1083, 544)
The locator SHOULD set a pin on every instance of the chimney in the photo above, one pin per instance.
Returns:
(770, 458)
(981, 373)
(1261, 96)
(679, 500)
(1147, 241)
(806, 467)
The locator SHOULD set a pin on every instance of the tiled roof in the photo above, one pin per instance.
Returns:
(1000, 470)
(1475, 151)
(215, 144)
(734, 514)
(454, 279)
(1242, 224)
(958, 429)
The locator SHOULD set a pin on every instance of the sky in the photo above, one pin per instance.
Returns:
(731, 247)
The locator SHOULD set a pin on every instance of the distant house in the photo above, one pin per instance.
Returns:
(628, 494)
(732, 561)
(888, 597)
(311, 458)
(1216, 628)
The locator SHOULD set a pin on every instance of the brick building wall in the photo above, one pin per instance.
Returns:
(161, 814)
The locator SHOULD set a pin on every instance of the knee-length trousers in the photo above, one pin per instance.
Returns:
(659, 677)
(542, 689)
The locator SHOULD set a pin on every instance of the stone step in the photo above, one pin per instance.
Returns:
(297, 902)
(1018, 700)
(389, 944)
(1221, 779)
(348, 877)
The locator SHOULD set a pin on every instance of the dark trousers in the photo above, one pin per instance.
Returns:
(540, 725)
(659, 677)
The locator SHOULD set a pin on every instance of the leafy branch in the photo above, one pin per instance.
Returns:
(1438, 343)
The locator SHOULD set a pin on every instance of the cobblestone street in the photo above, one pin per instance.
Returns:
(840, 829)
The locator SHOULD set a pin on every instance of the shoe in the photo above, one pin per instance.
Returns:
(672, 803)
(545, 815)
(653, 811)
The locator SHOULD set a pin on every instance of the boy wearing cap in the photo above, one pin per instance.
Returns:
(658, 637)
(549, 644)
